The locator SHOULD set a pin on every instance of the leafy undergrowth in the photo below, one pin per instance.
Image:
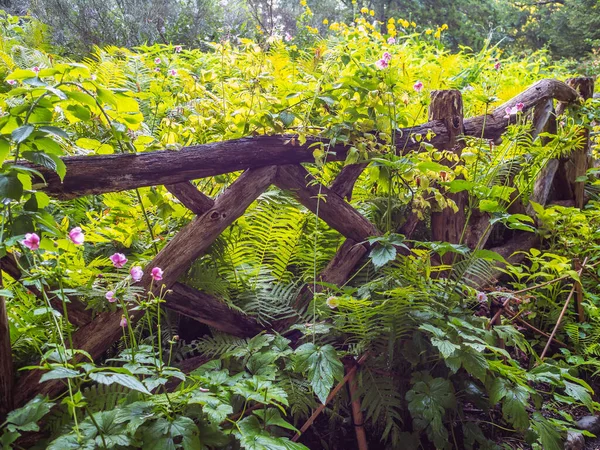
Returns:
(434, 375)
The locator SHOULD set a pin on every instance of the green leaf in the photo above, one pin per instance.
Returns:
(515, 400)
(547, 432)
(4, 149)
(381, 254)
(128, 381)
(55, 131)
(22, 133)
(10, 186)
(287, 118)
(322, 365)
(59, 373)
(445, 347)
(52, 162)
(272, 417)
(580, 394)
(489, 255)
(107, 96)
(26, 418)
(460, 185)
(186, 428)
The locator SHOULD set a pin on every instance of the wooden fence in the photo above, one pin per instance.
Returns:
(276, 160)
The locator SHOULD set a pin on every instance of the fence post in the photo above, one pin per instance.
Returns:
(576, 164)
(447, 106)
(7, 375)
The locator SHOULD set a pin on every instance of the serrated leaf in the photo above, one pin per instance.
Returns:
(128, 381)
(445, 347)
(59, 373)
(381, 254)
(10, 186)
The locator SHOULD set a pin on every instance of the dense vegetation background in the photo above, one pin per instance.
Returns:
(84, 78)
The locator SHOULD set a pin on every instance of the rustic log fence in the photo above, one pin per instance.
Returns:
(266, 161)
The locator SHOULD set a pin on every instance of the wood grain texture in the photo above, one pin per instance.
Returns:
(110, 173)
(175, 258)
(334, 211)
(211, 311)
(191, 197)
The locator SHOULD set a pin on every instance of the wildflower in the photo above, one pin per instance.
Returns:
(418, 86)
(178, 49)
(381, 64)
(482, 297)
(11, 82)
(325, 22)
(31, 241)
(288, 37)
(157, 274)
(372, 13)
(498, 65)
(76, 236)
(332, 302)
(173, 72)
(387, 57)
(36, 69)
(156, 69)
(136, 273)
(391, 41)
(110, 296)
(428, 31)
(157, 61)
(364, 10)
(118, 260)
(514, 110)
(123, 322)
(468, 87)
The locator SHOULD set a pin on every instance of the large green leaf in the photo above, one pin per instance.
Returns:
(128, 381)
(322, 365)
(22, 133)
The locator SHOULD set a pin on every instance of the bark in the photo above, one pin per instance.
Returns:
(334, 211)
(211, 311)
(191, 197)
(447, 225)
(110, 173)
(344, 182)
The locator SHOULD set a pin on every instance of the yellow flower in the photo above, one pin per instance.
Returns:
(354, 2)
(364, 10)
(414, 25)
(428, 31)
(392, 20)
(334, 26)
(404, 23)
(303, 2)
(438, 33)
(325, 21)
(444, 27)
(372, 12)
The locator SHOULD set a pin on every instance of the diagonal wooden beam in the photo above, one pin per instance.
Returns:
(78, 314)
(344, 182)
(337, 213)
(174, 258)
(211, 311)
(191, 197)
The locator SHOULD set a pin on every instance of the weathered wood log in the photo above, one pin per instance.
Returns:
(211, 311)
(76, 309)
(344, 182)
(191, 197)
(357, 414)
(334, 211)
(109, 173)
(447, 225)
(543, 184)
(7, 373)
(576, 164)
(175, 258)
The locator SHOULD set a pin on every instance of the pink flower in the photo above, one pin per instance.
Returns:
(178, 49)
(123, 322)
(387, 57)
(418, 86)
(173, 72)
(381, 64)
(110, 296)
(136, 273)
(31, 241)
(156, 69)
(157, 274)
(157, 61)
(481, 297)
(514, 110)
(11, 82)
(498, 65)
(288, 37)
(118, 260)
(36, 69)
(391, 41)
(76, 236)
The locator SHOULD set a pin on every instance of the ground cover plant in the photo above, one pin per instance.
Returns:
(416, 311)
